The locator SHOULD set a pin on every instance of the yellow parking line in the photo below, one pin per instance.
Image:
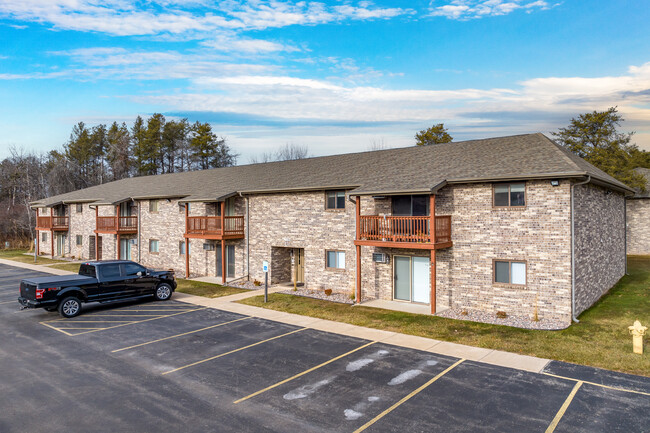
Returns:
(128, 323)
(126, 315)
(565, 405)
(86, 321)
(599, 384)
(56, 329)
(233, 351)
(303, 373)
(179, 335)
(8, 302)
(408, 397)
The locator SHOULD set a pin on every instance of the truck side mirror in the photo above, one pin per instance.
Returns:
(139, 274)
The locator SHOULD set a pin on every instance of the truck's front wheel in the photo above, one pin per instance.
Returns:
(70, 307)
(163, 292)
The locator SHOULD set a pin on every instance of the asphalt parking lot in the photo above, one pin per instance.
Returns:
(173, 366)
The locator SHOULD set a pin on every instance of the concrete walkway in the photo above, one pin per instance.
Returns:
(229, 303)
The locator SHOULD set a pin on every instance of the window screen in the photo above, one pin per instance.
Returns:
(509, 272)
(153, 205)
(153, 246)
(80, 239)
(336, 259)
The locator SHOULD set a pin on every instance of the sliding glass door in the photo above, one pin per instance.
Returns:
(411, 279)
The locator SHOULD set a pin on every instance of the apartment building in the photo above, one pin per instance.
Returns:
(514, 224)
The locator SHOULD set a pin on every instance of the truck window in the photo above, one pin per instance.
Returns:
(131, 269)
(87, 270)
(110, 271)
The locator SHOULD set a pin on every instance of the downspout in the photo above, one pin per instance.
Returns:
(625, 230)
(139, 205)
(573, 253)
(248, 245)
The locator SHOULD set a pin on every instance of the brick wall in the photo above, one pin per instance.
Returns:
(638, 226)
(538, 234)
(300, 220)
(599, 243)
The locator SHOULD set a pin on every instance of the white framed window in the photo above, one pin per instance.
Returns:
(153, 246)
(80, 208)
(510, 272)
(80, 240)
(335, 259)
(153, 206)
(44, 237)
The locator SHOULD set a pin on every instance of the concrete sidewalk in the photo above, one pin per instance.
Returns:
(488, 356)
(229, 303)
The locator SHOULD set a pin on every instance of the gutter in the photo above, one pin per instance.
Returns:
(573, 253)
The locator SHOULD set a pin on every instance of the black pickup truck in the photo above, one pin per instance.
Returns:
(99, 281)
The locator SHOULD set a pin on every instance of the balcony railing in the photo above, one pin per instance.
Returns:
(211, 226)
(52, 222)
(117, 224)
(403, 228)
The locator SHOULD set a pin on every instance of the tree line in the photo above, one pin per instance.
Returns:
(99, 154)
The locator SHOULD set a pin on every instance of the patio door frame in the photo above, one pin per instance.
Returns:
(410, 300)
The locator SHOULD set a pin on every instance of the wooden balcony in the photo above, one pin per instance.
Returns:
(116, 224)
(214, 227)
(404, 232)
(55, 223)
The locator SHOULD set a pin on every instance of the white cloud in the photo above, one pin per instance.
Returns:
(129, 18)
(471, 9)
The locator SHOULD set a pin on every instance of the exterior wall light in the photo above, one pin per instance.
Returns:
(555, 183)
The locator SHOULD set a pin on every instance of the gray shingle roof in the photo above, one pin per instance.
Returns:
(418, 169)
(646, 173)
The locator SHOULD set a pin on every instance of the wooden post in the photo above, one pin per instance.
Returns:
(117, 229)
(52, 230)
(433, 281)
(96, 235)
(223, 243)
(432, 235)
(358, 203)
(187, 241)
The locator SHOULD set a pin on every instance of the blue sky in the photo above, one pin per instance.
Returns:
(334, 76)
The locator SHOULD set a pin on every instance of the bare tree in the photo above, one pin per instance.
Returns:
(378, 144)
(291, 151)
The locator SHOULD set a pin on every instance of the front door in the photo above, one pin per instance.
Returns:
(299, 265)
(125, 249)
(99, 247)
(411, 279)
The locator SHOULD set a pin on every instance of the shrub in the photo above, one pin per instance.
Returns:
(257, 283)
(501, 315)
(328, 292)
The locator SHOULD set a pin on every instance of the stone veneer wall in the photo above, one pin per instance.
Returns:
(168, 227)
(599, 243)
(538, 234)
(81, 223)
(300, 220)
(638, 226)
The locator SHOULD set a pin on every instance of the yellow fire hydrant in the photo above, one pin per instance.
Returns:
(637, 332)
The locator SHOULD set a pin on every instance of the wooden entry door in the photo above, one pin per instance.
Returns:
(299, 265)
(99, 247)
(92, 251)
